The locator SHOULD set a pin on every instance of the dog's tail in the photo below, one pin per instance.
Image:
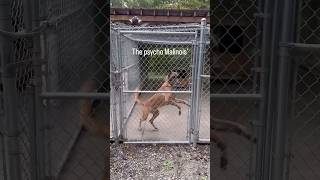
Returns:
(136, 97)
(87, 119)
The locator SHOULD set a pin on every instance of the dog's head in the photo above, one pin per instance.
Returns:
(171, 77)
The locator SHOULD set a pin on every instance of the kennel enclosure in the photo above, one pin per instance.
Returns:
(141, 57)
(253, 43)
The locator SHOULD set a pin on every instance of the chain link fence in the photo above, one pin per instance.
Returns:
(43, 138)
(144, 56)
(76, 52)
(235, 57)
(52, 47)
(18, 131)
(204, 131)
(304, 128)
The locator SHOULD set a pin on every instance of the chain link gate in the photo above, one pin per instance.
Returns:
(69, 46)
(303, 128)
(48, 50)
(76, 52)
(237, 87)
(18, 138)
(141, 59)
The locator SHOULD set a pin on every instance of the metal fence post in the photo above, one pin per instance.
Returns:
(192, 109)
(262, 124)
(120, 87)
(32, 9)
(12, 156)
(283, 90)
(28, 14)
(198, 81)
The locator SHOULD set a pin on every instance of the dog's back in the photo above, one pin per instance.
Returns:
(155, 101)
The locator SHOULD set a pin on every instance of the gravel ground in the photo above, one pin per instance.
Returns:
(137, 161)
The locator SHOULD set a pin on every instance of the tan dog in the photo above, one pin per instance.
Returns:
(158, 100)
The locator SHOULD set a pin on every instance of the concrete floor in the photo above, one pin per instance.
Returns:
(172, 127)
(305, 163)
(241, 153)
(86, 160)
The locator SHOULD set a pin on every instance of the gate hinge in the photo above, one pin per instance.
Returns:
(194, 132)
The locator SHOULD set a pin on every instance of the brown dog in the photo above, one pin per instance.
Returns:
(159, 99)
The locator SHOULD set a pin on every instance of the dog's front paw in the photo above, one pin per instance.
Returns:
(156, 129)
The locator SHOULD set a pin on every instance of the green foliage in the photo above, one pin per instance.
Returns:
(168, 165)
(162, 4)
(186, 4)
(204, 178)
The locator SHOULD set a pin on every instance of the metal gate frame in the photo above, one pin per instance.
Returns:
(274, 100)
(277, 84)
(198, 46)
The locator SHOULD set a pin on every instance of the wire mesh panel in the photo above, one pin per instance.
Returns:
(235, 54)
(304, 127)
(76, 50)
(205, 96)
(146, 61)
(22, 54)
(114, 101)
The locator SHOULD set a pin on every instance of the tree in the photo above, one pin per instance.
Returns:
(187, 4)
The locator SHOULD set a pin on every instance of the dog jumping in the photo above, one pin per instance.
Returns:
(158, 100)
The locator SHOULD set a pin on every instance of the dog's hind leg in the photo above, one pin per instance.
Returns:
(144, 117)
(155, 114)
